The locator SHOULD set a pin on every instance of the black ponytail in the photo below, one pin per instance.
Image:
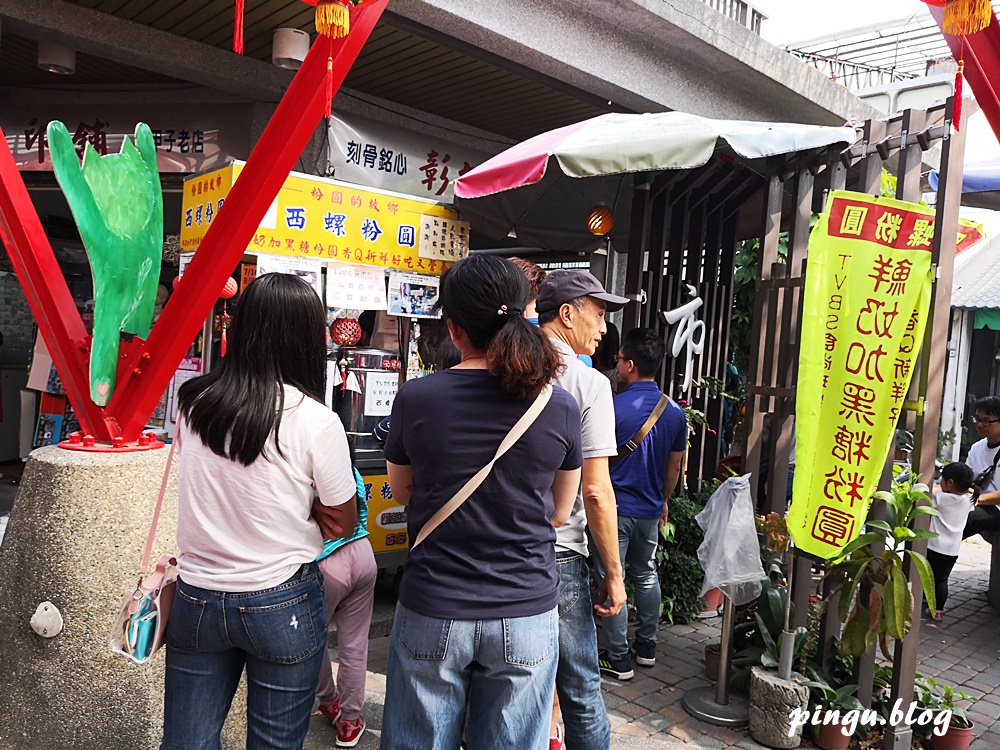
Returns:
(485, 295)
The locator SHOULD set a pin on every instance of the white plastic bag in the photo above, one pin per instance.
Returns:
(730, 553)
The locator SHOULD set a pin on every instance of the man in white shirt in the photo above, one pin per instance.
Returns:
(571, 306)
(982, 459)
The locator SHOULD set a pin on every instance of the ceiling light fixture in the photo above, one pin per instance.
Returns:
(289, 48)
(55, 58)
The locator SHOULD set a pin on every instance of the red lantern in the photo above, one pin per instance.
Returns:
(345, 332)
(230, 288)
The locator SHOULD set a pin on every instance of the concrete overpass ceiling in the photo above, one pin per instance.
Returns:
(19, 67)
(421, 68)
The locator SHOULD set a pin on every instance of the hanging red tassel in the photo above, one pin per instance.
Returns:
(956, 107)
(329, 85)
(228, 292)
(333, 21)
(238, 28)
(956, 102)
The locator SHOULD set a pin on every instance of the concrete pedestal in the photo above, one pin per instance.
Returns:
(75, 538)
(772, 701)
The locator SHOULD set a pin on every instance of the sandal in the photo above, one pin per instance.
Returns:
(556, 743)
(936, 616)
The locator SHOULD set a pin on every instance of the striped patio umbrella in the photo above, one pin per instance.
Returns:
(543, 188)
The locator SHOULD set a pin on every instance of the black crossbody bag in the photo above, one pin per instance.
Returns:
(982, 479)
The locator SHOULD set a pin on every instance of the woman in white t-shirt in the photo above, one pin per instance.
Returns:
(255, 440)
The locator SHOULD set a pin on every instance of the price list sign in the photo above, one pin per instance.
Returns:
(443, 239)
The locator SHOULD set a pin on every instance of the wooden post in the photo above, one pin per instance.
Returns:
(638, 244)
(930, 380)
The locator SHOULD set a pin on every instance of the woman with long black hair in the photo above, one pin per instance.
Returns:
(255, 441)
(477, 622)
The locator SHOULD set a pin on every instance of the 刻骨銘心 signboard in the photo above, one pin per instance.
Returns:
(867, 293)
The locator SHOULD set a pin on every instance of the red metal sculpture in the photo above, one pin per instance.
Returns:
(147, 366)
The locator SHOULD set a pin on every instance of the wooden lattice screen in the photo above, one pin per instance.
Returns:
(898, 145)
(685, 231)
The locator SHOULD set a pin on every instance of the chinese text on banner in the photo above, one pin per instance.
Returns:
(867, 293)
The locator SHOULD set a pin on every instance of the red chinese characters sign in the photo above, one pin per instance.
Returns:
(867, 293)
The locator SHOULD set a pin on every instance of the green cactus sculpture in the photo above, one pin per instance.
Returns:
(117, 202)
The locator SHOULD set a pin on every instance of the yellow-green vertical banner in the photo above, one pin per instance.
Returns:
(867, 293)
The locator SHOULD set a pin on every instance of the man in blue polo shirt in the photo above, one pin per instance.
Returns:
(644, 477)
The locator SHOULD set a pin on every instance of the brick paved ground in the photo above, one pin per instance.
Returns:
(646, 712)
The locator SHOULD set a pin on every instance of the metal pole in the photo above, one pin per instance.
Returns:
(722, 683)
(720, 708)
(787, 637)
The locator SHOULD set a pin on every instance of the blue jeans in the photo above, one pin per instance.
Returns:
(278, 635)
(637, 540)
(502, 669)
(578, 680)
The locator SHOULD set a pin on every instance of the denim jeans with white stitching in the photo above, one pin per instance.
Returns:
(504, 669)
(578, 681)
(277, 634)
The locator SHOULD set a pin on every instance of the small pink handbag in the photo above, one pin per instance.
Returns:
(142, 619)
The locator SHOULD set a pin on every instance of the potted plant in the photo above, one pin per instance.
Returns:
(875, 598)
(941, 699)
(834, 733)
(712, 602)
(713, 652)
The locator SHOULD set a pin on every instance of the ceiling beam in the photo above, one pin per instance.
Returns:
(111, 38)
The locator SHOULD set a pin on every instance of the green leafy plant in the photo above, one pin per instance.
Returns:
(680, 572)
(759, 629)
(840, 698)
(715, 388)
(772, 646)
(876, 601)
(695, 418)
(746, 269)
(936, 697)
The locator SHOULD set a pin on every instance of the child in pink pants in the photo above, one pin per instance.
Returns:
(349, 572)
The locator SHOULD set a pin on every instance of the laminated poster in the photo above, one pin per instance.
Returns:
(413, 295)
(308, 269)
(355, 287)
(190, 367)
(183, 261)
(443, 239)
(380, 390)
(39, 376)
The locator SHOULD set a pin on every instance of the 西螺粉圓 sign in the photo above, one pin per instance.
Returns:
(322, 219)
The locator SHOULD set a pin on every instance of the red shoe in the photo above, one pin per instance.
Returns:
(331, 710)
(556, 743)
(349, 732)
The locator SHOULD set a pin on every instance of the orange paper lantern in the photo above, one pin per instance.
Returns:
(600, 220)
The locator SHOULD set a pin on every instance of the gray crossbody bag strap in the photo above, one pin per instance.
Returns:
(473, 484)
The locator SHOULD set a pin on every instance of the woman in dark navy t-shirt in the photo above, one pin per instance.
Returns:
(477, 620)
